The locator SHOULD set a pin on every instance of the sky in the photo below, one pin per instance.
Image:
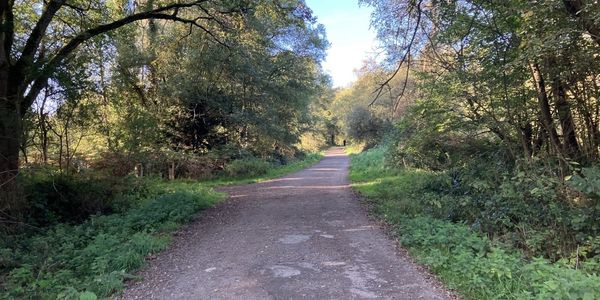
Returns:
(350, 36)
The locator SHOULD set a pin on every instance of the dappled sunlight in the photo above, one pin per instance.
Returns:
(307, 187)
(326, 169)
(295, 179)
(366, 184)
(361, 228)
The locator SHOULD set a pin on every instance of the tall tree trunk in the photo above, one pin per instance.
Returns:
(545, 112)
(11, 114)
(11, 125)
(43, 124)
(588, 146)
(540, 137)
(11, 122)
(527, 139)
(44, 137)
(565, 117)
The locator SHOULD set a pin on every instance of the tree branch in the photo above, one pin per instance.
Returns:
(79, 10)
(379, 90)
(399, 98)
(159, 13)
(578, 11)
(38, 32)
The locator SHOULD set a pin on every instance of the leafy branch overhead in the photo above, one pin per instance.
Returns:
(44, 67)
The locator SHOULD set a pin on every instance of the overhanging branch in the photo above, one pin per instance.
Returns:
(406, 55)
(161, 13)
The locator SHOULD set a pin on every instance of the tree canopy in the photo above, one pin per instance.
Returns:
(81, 80)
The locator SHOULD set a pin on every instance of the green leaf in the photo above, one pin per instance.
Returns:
(87, 296)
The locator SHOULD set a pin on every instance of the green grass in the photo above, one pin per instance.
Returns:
(94, 258)
(468, 262)
(273, 172)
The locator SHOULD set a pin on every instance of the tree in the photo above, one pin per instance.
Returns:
(364, 126)
(362, 119)
(512, 69)
(584, 12)
(28, 60)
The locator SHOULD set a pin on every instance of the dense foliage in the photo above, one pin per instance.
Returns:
(494, 106)
(487, 115)
(102, 102)
(71, 261)
(521, 75)
(417, 203)
(174, 89)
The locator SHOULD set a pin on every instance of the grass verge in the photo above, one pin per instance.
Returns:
(272, 172)
(92, 260)
(468, 262)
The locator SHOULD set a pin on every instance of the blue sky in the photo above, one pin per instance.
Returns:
(349, 33)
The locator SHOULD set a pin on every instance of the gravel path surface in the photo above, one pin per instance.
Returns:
(302, 236)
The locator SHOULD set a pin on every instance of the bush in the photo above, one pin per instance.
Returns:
(68, 261)
(478, 182)
(312, 142)
(157, 164)
(477, 232)
(247, 167)
(56, 198)
(588, 182)
(117, 164)
(364, 126)
(200, 167)
(477, 268)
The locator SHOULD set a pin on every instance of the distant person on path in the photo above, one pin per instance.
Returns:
(344, 143)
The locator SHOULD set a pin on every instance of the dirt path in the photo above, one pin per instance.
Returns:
(304, 235)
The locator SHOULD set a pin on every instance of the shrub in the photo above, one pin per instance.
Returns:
(70, 261)
(588, 182)
(53, 198)
(473, 226)
(157, 164)
(364, 126)
(115, 163)
(478, 269)
(200, 167)
(247, 167)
